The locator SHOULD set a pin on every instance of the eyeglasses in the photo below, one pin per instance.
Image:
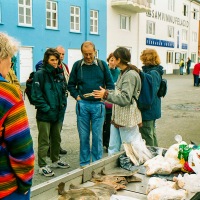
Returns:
(12, 64)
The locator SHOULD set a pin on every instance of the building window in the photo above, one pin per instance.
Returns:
(171, 5)
(194, 37)
(94, 21)
(193, 57)
(0, 13)
(74, 19)
(185, 10)
(195, 13)
(169, 57)
(184, 35)
(150, 28)
(171, 31)
(51, 15)
(125, 22)
(25, 12)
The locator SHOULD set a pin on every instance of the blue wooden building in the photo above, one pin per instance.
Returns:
(40, 24)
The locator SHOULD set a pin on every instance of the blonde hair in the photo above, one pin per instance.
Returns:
(8, 46)
(150, 57)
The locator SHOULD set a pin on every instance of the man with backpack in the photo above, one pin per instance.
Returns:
(87, 75)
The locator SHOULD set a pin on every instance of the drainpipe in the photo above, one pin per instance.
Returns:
(86, 27)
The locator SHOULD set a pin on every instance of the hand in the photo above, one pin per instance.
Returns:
(98, 94)
(78, 98)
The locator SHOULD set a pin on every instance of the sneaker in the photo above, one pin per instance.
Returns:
(46, 171)
(60, 164)
(62, 151)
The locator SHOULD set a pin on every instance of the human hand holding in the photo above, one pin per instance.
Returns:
(98, 94)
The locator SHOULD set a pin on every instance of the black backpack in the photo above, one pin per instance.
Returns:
(28, 88)
(163, 88)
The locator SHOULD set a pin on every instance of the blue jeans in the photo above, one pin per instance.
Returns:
(181, 70)
(90, 113)
(120, 135)
(18, 196)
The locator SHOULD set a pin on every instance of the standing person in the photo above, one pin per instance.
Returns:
(125, 114)
(181, 66)
(196, 73)
(48, 94)
(188, 65)
(16, 145)
(65, 68)
(90, 111)
(151, 61)
(106, 127)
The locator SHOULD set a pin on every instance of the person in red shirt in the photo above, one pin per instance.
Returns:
(196, 72)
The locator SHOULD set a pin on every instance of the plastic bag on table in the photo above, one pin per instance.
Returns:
(189, 182)
(155, 182)
(194, 160)
(165, 192)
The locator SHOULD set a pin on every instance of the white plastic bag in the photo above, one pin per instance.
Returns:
(194, 160)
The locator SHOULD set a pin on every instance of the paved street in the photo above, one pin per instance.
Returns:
(180, 115)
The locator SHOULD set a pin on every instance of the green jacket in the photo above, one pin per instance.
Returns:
(48, 94)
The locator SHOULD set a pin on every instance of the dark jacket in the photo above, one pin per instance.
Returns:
(48, 94)
(86, 78)
(155, 112)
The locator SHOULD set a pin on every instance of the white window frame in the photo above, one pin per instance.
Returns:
(171, 5)
(170, 31)
(184, 35)
(94, 21)
(24, 18)
(74, 19)
(169, 57)
(193, 57)
(51, 14)
(150, 27)
(125, 22)
(195, 13)
(194, 36)
(185, 10)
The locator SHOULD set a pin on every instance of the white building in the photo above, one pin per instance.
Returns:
(169, 26)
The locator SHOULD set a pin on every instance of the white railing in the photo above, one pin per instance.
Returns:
(139, 2)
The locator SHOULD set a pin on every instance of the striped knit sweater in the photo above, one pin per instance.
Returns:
(16, 146)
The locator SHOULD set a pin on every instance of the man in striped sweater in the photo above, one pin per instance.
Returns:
(16, 145)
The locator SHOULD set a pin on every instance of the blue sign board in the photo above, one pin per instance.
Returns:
(160, 43)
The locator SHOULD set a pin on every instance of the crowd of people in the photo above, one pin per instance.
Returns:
(105, 106)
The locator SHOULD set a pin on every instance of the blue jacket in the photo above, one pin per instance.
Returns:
(155, 112)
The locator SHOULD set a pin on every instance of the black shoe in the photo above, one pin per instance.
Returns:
(62, 151)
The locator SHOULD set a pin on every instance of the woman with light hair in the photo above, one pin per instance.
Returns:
(16, 146)
(151, 62)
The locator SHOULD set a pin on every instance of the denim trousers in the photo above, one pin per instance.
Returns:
(119, 136)
(181, 70)
(18, 196)
(48, 130)
(90, 115)
(148, 132)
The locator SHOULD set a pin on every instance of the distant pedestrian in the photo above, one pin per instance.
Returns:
(16, 145)
(188, 65)
(87, 75)
(181, 66)
(196, 73)
(115, 71)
